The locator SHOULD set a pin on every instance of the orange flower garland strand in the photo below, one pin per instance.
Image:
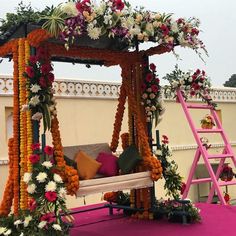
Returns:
(68, 173)
(6, 203)
(28, 116)
(36, 37)
(23, 125)
(16, 130)
(118, 118)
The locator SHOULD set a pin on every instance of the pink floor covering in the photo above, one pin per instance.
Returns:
(217, 220)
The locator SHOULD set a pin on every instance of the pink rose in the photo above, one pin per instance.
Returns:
(48, 150)
(48, 217)
(34, 158)
(51, 196)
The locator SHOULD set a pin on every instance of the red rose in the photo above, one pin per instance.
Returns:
(46, 68)
(35, 146)
(194, 31)
(48, 217)
(149, 77)
(152, 67)
(30, 71)
(34, 158)
(51, 196)
(165, 29)
(42, 82)
(192, 93)
(32, 204)
(33, 59)
(51, 78)
(48, 150)
(83, 6)
(41, 53)
(154, 88)
(119, 5)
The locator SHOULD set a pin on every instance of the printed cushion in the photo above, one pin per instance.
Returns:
(109, 163)
(87, 167)
(129, 159)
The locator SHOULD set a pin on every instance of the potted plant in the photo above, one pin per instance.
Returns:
(207, 122)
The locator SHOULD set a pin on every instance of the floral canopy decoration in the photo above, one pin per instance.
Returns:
(117, 19)
(190, 83)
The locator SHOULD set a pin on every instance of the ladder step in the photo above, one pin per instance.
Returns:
(198, 181)
(214, 156)
(198, 106)
(209, 130)
(224, 183)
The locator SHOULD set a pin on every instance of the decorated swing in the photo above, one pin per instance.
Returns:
(108, 34)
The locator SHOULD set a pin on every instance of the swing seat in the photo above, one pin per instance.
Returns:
(100, 183)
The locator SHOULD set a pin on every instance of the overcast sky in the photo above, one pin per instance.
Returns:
(218, 24)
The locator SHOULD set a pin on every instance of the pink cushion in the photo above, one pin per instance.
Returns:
(109, 163)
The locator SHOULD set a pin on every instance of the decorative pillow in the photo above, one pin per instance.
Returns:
(129, 159)
(109, 163)
(87, 167)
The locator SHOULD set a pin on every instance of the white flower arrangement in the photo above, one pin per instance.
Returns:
(41, 177)
(51, 186)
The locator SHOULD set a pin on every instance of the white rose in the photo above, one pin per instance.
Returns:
(27, 177)
(31, 188)
(57, 178)
(174, 27)
(144, 96)
(51, 186)
(56, 227)
(41, 177)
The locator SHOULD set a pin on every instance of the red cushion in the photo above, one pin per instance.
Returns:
(109, 163)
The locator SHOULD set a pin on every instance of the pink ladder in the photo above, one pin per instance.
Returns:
(201, 151)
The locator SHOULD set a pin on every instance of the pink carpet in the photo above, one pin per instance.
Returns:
(217, 220)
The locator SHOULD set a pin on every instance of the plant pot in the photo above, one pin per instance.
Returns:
(207, 126)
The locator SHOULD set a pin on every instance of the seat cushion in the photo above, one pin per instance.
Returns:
(87, 167)
(109, 163)
(129, 159)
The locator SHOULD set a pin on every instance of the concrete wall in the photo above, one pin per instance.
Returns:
(86, 112)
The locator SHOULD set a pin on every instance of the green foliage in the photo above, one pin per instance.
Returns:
(231, 82)
(24, 14)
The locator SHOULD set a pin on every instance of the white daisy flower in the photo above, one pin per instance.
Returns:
(62, 192)
(27, 177)
(35, 88)
(34, 101)
(57, 178)
(41, 177)
(2, 230)
(51, 186)
(17, 222)
(47, 164)
(31, 188)
(94, 32)
(56, 227)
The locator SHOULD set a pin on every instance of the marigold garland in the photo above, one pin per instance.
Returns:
(118, 118)
(6, 203)
(36, 37)
(23, 124)
(68, 173)
(8, 48)
(16, 130)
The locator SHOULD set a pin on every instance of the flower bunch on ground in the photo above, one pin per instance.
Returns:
(172, 209)
(190, 83)
(151, 95)
(117, 19)
(173, 180)
(39, 80)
